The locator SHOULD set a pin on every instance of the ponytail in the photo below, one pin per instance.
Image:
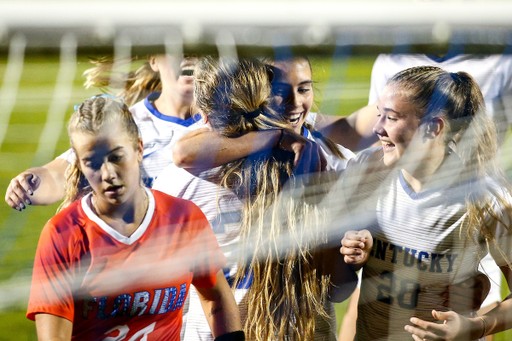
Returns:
(134, 85)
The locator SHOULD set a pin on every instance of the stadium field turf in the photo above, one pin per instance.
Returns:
(341, 86)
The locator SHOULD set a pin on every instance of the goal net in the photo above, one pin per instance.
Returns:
(45, 47)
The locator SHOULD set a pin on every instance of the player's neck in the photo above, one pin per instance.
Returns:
(126, 217)
(171, 103)
(422, 177)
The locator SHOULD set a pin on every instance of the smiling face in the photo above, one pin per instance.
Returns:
(396, 126)
(175, 74)
(293, 91)
(109, 161)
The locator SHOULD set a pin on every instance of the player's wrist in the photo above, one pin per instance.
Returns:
(478, 328)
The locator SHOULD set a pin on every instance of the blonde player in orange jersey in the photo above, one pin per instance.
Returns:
(117, 262)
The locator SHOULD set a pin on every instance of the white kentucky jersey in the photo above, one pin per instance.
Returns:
(419, 249)
(159, 133)
(334, 163)
(223, 210)
(492, 73)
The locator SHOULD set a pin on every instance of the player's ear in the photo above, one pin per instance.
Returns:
(140, 151)
(153, 63)
(434, 127)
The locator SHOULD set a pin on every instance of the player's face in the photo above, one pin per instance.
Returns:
(110, 162)
(176, 75)
(293, 91)
(396, 126)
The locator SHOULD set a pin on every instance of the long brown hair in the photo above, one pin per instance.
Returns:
(134, 85)
(88, 118)
(457, 99)
(288, 286)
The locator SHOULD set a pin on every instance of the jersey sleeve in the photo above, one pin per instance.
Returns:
(208, 258)
(69, 155)
(378, 78)
(52, 279)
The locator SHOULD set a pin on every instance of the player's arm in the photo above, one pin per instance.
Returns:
(203, 148)
(38, 186)
(458, 327)
(343, 277)
(354, 132)
(53, 328)
(220, 309)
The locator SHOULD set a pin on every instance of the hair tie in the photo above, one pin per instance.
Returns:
(253, 114)
(455, 76)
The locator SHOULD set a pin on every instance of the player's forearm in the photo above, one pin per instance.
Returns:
(220, 307)
(499, 318)
(354, 132)
(53, 182)
(210, 149)
(343, 277)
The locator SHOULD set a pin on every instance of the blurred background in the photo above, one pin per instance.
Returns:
(45, 46)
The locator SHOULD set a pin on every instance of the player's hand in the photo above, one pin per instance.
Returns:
(308, 155)
(356, 246)
(467, 296)
(21, 189)
(454, 327)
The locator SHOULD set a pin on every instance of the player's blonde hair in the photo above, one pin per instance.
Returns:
(134, 85)
(457, 99)
(288, 286)
(89, 117)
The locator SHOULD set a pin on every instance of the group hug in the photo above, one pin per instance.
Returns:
(209, 199)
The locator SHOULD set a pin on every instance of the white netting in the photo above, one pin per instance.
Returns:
(343, 38)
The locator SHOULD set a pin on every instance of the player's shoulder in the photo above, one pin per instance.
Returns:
(176, 208)
(68, 223)
(368, 155)
(402, 60)
(139, 110)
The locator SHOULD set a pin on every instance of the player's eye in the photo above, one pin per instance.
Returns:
(115, 158)
(304, 90)
(93, 164)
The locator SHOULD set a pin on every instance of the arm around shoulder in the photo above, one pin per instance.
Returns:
(38, 186)
(204, 148)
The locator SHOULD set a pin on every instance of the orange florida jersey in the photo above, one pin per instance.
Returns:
(114, 287)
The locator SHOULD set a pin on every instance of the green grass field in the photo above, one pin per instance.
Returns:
(344, 85)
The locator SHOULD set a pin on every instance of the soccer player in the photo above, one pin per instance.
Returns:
(162, 117)
(233, 98)
(435, 201)
(292, 96)
(493, 74)
(118, 260)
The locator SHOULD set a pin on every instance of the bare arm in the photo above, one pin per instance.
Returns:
(38, 186)
(203, 148)
(53, 328)
(220, 308)
(343, 277)
(458, 327)
(354, 132)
